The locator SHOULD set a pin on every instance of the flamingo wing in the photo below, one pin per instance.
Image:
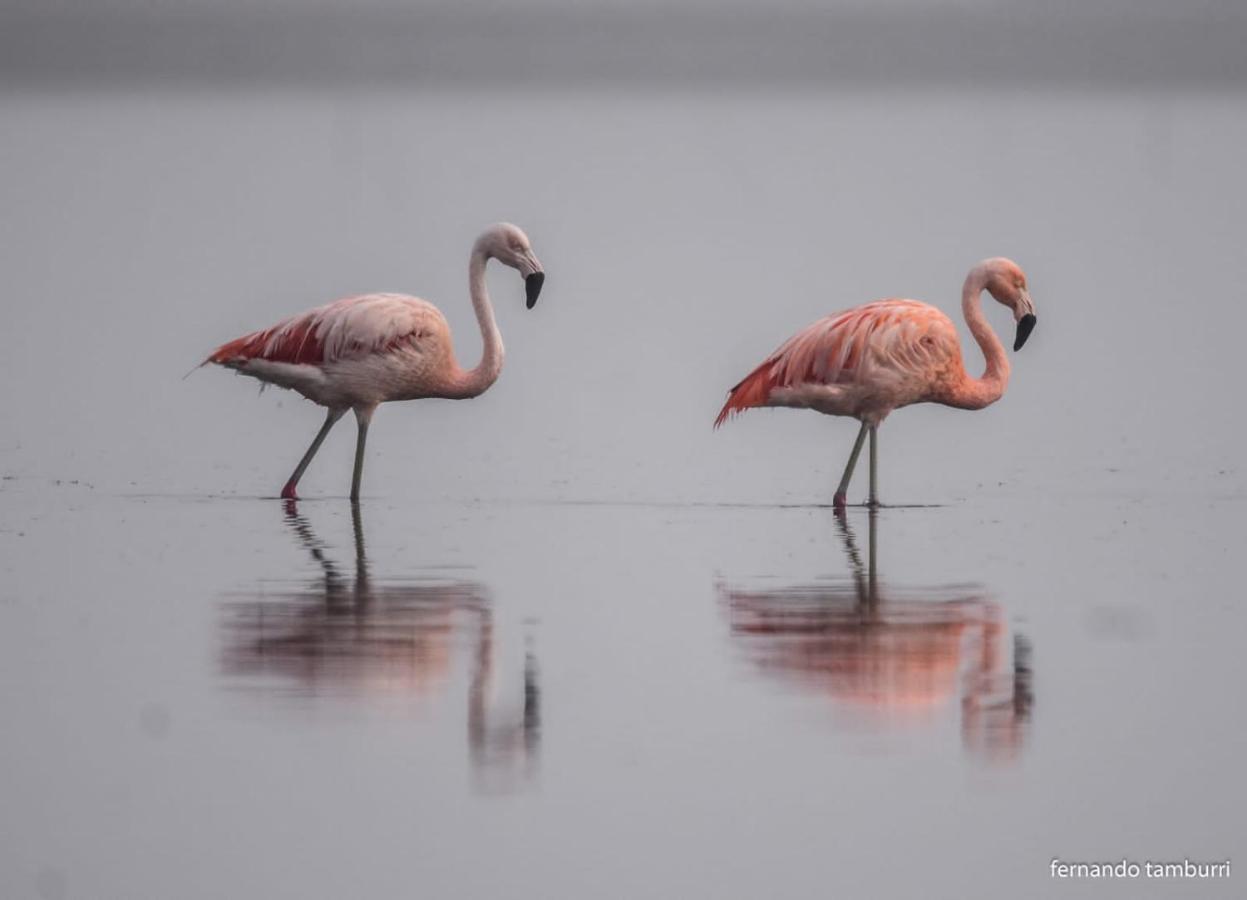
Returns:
(890, 340)
(346, 329)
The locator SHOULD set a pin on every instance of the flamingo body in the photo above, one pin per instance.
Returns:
(863, 362)
(360, 352)
(871, 359)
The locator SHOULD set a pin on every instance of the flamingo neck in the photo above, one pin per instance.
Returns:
(976, 393)
(475, 382)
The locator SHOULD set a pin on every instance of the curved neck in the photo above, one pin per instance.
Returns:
(975, 393)
(475, 381)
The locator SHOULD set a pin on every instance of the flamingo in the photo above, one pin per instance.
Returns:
(360, 352)
(867, 361)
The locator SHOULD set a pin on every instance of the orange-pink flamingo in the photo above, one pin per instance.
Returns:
(869, 360)
(363, 351)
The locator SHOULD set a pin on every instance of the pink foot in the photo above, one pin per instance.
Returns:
(287, 493)
(839, 502)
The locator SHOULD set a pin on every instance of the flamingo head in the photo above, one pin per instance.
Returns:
(1006, 282)
(509, 245)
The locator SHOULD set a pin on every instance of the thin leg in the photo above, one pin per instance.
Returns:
(363, 417)
(841, 492)
(874, 467)
(287, 492)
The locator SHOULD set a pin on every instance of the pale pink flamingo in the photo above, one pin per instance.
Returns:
(363, 351)
(869, 360)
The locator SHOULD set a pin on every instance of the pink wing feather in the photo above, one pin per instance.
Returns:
(901, 335)
(352, 327)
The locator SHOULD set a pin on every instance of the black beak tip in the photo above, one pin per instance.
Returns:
(1026, 325)
(532, 287)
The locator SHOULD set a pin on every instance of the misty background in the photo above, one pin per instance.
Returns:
(699, 186)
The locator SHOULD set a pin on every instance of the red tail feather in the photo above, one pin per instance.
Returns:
(292, 342)
(752, 391)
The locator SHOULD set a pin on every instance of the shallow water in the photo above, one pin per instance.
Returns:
(211, 697)
(574, 643)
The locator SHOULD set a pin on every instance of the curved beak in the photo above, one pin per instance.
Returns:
(1026, 325)
(1026, 320)
(532, 287)
(534, 277)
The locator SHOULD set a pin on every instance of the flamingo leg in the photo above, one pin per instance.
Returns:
(873, 501)
(840, 499)
(363, 417)
(287, 492)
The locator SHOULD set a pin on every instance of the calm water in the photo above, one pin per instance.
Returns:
(574, 643)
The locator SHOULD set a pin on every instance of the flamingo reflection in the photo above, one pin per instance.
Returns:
(874, 646)
(362, 637)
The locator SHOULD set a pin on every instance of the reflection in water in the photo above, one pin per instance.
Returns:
(891, 650)
(363, 637)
